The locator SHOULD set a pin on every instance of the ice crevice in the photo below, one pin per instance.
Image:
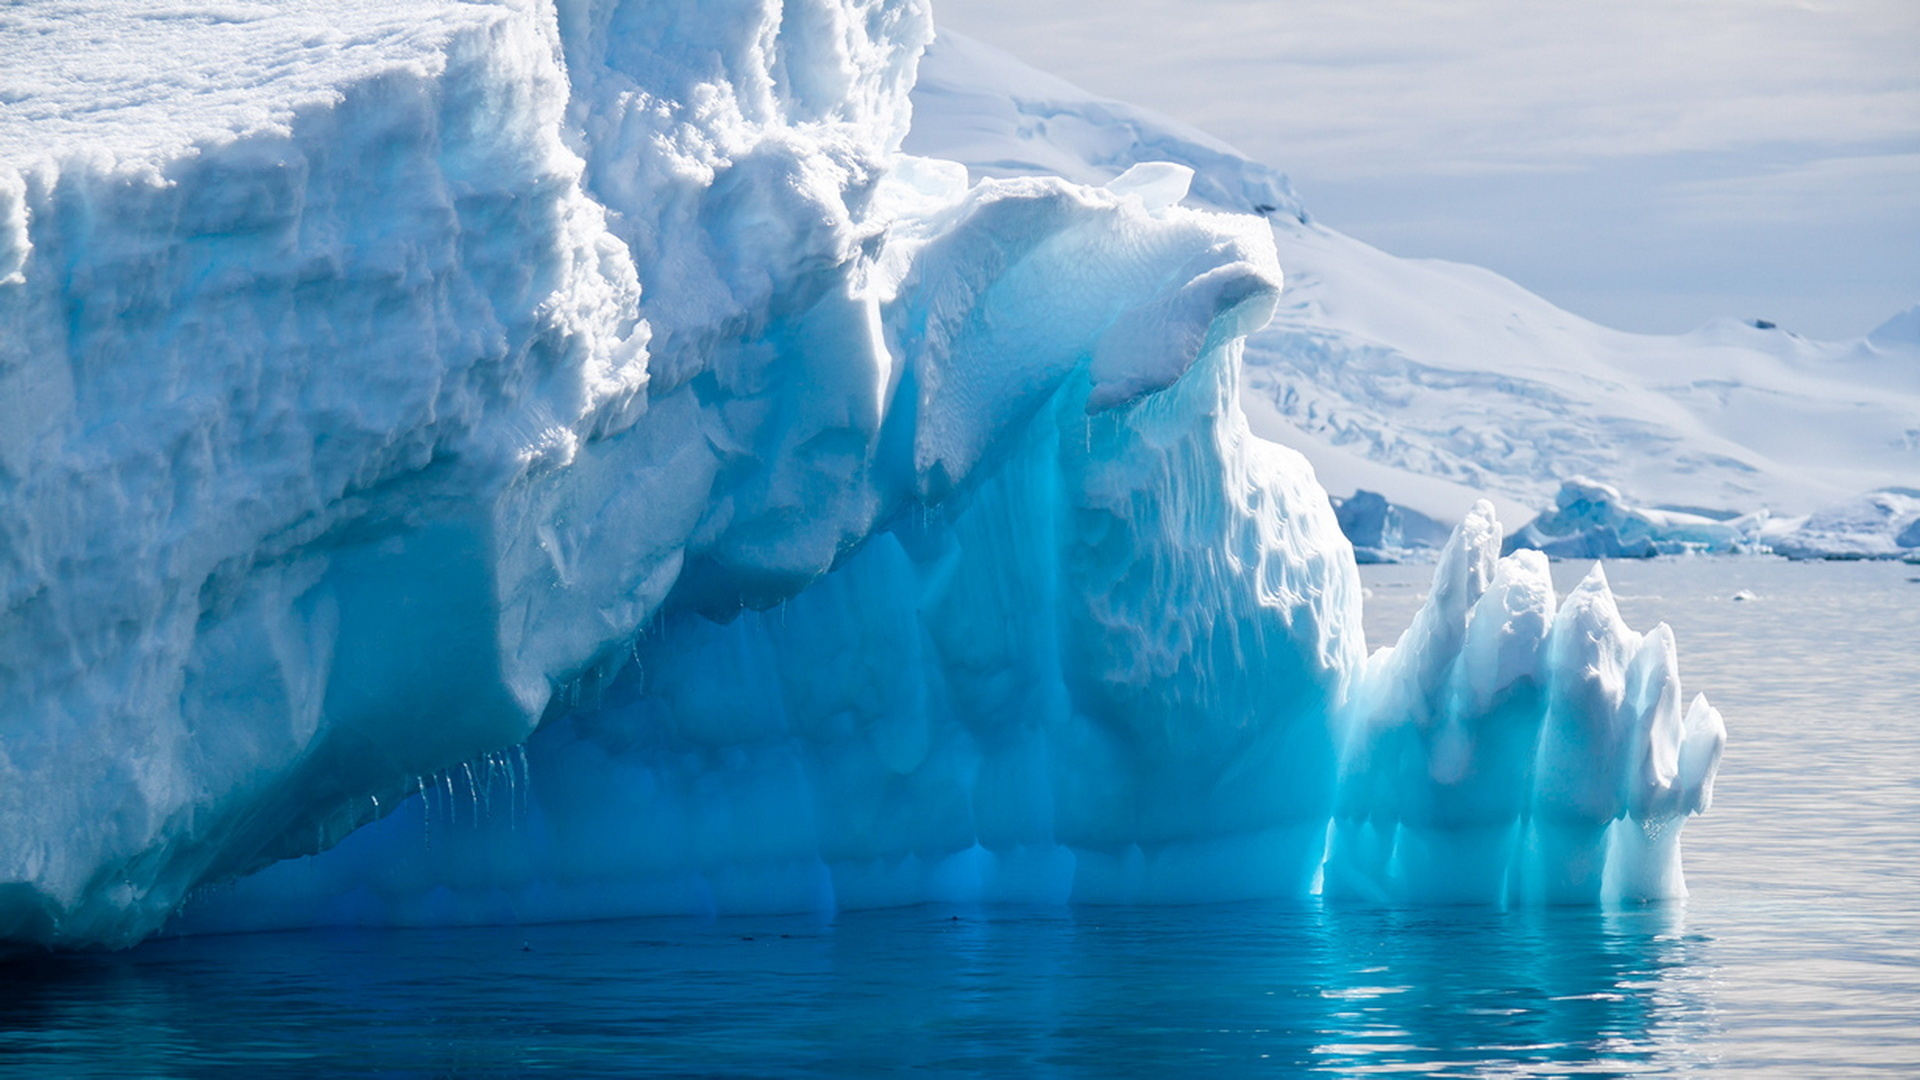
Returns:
(585, 411)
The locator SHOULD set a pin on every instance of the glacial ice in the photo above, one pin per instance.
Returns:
(563, 459)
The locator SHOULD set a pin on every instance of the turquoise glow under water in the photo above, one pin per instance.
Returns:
(1796, 956)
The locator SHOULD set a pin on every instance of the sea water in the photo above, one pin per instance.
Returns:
(1798, 953)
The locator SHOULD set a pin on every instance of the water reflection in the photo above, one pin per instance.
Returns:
(1253, 988)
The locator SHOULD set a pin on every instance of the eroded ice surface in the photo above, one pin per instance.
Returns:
(840, 532)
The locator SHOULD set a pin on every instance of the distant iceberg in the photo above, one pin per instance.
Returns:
(565, 460)
(1590, 520)
(1874, 525)
(1382, 531)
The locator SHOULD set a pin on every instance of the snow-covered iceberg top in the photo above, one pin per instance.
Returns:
(593, 388)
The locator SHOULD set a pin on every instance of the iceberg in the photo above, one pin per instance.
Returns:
(558, 460)
(1383, 531)
(1591, 520)
(1512, 746)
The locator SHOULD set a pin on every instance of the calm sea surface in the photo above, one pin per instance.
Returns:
(1797, 956)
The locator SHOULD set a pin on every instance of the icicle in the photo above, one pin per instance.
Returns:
(426, 809)
(473, 793)
(526, 778)
(513, 815)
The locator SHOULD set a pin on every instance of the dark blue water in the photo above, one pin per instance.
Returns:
(1122, 992)
(1797, 955)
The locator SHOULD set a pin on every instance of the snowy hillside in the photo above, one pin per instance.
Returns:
(1434, 382)
(562, 460)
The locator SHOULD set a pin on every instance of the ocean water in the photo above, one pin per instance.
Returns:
(1798, 954)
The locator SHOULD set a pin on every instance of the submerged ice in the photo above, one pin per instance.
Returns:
(563, 460)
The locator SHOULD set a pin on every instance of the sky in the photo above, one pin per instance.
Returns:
(1650, 164)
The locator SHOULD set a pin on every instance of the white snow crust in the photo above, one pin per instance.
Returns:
(583, 421)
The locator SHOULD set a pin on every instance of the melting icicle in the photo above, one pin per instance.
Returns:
(526, 778)
(503, 762)
(426, 809)
(473, 793)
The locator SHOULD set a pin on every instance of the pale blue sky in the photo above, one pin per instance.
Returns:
(1651, 164)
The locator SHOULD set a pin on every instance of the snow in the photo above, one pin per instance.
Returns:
(589, 413)
(132, 86)
(1429, 381)
(1901, 331)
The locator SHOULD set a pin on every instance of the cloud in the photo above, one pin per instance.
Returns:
(1347, 89)
(1877, 187)
(1654, 163)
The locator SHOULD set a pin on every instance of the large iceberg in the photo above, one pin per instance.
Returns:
(563, 459)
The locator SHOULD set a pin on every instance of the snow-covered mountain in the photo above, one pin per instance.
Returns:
(562, 459)
(1434, 382)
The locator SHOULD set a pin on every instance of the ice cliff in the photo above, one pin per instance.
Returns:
(563, 459)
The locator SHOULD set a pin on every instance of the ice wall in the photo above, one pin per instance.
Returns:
(601, 372)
